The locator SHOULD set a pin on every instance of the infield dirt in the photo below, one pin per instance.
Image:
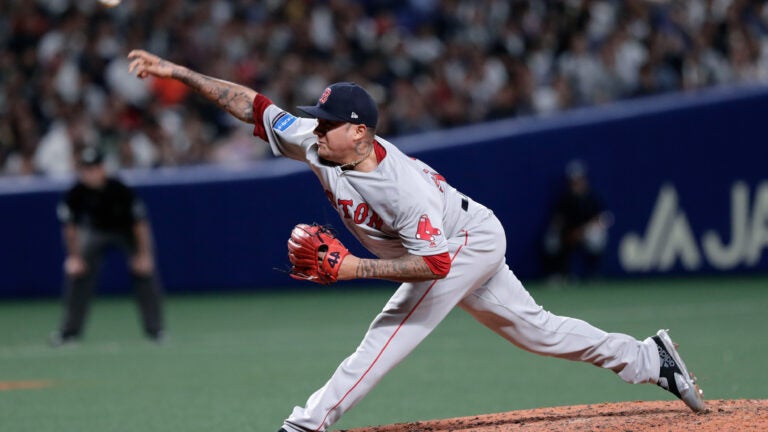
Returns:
(721, 416)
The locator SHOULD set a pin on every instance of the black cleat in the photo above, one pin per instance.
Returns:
(674, 376)
(57, 339)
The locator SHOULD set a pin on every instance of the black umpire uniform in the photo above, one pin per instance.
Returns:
(100, 213)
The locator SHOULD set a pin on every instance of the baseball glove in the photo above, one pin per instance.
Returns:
(315, 253)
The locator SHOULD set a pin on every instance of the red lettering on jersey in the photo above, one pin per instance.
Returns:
(345, 204)
(425, 230)
(375, 221)
(361, 213)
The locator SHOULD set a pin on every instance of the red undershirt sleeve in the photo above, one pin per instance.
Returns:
(439, 264)
(260, 104)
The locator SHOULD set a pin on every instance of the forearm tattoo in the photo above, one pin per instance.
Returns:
(233, 98)
(409, 268)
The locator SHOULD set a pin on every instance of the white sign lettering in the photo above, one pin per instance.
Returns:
(669, 239)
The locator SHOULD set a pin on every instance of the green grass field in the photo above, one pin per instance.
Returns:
(240, 362)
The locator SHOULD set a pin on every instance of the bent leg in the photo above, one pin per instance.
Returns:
(410, 315)
(506, 307)
(77, 300)
(78, 290)
(149, 299)
(148, 291)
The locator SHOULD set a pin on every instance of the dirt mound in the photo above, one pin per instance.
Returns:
(721, 415)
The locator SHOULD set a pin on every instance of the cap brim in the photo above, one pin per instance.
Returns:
(317, 112)
(91, 162)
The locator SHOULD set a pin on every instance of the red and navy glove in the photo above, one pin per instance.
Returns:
(315, 253)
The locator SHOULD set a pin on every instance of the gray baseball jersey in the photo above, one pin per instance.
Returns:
(405, 206)
(402, 206)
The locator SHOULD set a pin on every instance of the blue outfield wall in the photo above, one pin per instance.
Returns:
(685, 176)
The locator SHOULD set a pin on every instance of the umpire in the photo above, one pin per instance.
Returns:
(100, 213)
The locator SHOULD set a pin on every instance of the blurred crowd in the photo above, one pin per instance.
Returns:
(64, 81)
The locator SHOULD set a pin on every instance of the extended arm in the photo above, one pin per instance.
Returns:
(71, 244)
(142, 261)
(233, 98)
(143, 238)
(407, 268)
(74, 265)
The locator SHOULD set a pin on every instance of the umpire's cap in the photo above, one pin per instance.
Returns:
(91, 156)
(347, 102)
(576, 169)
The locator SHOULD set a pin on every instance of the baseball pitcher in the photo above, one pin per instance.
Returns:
(445, 248)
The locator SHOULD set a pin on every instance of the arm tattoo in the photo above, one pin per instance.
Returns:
(408, 268)
(233, 98)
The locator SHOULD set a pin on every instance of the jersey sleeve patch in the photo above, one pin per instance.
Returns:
(425, 230)
(283, 121)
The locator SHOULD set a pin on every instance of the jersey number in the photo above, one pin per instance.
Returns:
(334, 259)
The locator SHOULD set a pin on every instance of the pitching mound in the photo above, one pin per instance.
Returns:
(722, 415)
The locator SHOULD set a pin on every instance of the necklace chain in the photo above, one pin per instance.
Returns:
(351, 165)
